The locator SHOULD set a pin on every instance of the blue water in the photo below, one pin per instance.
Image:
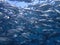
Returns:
(37, 26)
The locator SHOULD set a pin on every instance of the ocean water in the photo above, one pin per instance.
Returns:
(34, 25)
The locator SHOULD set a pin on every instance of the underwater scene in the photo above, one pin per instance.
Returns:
(29, 22)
